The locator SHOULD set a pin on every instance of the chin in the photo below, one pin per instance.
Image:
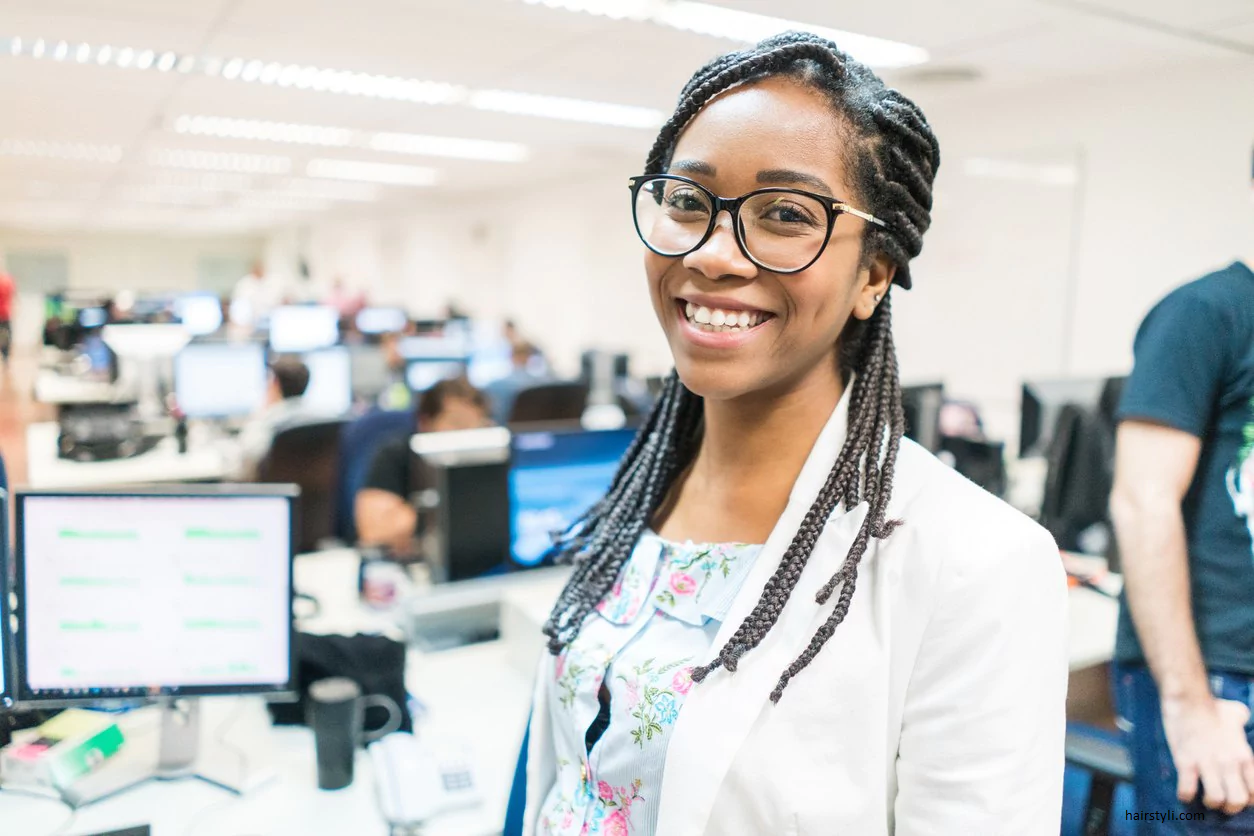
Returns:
(716, 380)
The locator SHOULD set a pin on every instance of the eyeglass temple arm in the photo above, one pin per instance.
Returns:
(858, 213)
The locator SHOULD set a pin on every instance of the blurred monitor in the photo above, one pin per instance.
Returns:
(152, 308)
(922, 405)
(368, 371)
(92, 318)
(1041, 404)
(554, 478)
(153, 592)
(200, 313)
(100, 359)
(381, 320)
(7, 674)
(220, 380)
(433, 347)
(330, 390)
(594, 363)
(298, 328)
(421, 375)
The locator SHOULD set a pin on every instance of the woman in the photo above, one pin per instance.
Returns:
(784, 618)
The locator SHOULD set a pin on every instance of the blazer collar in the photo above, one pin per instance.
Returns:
(719, 714)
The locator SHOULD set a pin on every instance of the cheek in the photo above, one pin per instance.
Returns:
(655, 267)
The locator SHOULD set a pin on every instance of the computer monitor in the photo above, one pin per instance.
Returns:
(200, 313)
(554, 478)
(7, 674)
(330, 390)
(922, 405)
(154, 593)
(434, 347)
(89, 318)
(220, 380)
(298, 328)
(381, 320)
(421, 375)
(1041, 403)
(368, 368)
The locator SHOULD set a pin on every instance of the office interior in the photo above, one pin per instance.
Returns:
(392, 194)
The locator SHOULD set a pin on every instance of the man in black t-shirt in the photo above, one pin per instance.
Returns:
(1183, 506)
(382, 509)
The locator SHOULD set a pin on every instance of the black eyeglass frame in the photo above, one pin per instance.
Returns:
(834, 208)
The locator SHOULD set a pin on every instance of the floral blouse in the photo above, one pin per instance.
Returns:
(656, 624)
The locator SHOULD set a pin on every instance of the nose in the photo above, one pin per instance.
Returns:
(720, 257)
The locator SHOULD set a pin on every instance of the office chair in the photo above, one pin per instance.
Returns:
(1105, 758)
(550, 403)
(360, 440)
(307, 455)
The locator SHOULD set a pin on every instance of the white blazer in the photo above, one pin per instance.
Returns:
(935, 708)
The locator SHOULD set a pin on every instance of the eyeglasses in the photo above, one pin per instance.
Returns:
(781, 230)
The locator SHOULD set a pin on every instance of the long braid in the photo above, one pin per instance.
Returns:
(893, 162)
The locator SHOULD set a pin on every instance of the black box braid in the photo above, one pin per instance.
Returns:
(893, 157)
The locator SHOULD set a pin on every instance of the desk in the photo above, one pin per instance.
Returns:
(204, 462)
(57, 389)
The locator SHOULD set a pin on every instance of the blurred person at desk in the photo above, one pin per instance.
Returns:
(382, 509)
(1183, 508)
(254, 297)
(8, 296)
(289, 378)
(784, 617)
(503, 392)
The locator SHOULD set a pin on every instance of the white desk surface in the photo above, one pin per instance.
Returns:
(204, 462)
(53, 388)
(478, 695)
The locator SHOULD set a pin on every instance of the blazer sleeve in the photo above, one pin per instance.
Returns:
(541, 768)
(984, 725)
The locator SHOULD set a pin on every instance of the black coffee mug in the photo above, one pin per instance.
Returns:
(337, 714)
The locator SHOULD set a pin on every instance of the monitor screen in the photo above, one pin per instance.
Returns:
(330, 390)
(153, 593)
(555, 477)
(1042, 401)
(200, 313)
(297, 328)
(369, 370)
(421, 375)
(93, 317)
(220, 380)
(381, 320)
(922, 407)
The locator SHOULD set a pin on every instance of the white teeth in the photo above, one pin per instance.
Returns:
(718, 318)
(743, 319)
(688, 310)
(702, 316)
(719, 321)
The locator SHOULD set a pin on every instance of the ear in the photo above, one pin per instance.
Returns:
(874, 280)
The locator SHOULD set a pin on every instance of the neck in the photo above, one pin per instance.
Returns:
(764, 440)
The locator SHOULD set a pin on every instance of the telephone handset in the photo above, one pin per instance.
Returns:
(414, 782)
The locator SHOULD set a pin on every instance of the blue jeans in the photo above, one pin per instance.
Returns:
(1136, 700)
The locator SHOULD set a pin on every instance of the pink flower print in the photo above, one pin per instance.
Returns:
(560, 665)
(683, 584)
(605, 791)
(567, 820)
(682, 683)
(616, 824)
(633, 694)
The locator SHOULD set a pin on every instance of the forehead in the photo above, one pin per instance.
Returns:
(772, 124)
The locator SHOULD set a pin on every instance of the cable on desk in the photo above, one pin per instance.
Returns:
(219, 738)
(64, 825)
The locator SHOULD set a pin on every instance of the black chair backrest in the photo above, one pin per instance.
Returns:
(307, 455)
(1080, 476)
(549, 402)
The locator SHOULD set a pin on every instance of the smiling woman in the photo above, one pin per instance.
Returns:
(686, 692)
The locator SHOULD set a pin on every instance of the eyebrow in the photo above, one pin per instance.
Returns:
(693, 167)
(785, 176)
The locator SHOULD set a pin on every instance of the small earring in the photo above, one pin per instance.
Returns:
(878, 298)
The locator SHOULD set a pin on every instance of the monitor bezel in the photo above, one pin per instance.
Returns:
(24, 696)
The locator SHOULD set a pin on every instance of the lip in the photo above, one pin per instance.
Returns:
(717, 339)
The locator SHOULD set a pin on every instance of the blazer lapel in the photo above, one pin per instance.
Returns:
(719, 713)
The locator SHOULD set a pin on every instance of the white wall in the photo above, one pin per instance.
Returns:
(1018, 279)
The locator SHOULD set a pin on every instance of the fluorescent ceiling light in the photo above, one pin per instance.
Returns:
(1047, 174)
(445, 146)
(222, 161)
(269, 131)
(398, 175)
(575, 110)
(356, 192)
(368, 85)
(80, 151)
(746, 27)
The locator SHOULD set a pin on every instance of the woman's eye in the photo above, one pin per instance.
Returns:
(685, 201)
(789, 214)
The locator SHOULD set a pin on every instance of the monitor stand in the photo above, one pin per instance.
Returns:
(180, 750)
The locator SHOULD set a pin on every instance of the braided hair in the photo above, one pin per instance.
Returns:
(892, 158)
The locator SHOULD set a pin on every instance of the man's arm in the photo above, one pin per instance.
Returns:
(1154, 467)
(385, 519)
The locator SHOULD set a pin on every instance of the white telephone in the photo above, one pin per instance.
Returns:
(414, 783)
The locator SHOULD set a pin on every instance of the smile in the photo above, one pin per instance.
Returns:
(719, 320)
